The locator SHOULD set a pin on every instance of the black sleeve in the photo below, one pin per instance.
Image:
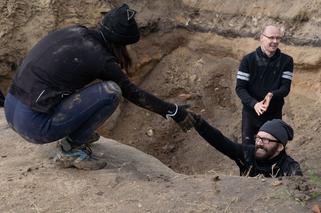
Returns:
(214, 137)
(286, 80)
(294, 169)
(1, 99)
(131, 92)
(242, 81)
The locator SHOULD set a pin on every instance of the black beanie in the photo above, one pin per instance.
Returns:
(119, 26)
(279, 129)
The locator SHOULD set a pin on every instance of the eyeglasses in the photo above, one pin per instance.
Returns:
(264, 140)
(272, 38)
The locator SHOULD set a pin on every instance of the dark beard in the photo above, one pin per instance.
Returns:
(268, 153)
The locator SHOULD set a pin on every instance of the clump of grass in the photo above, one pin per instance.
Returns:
(306, 190)
(314, 178)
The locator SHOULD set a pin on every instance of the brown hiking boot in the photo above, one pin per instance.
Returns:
(80, 157)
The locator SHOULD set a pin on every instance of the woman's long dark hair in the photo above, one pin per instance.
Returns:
(118, 50)
(122, 55)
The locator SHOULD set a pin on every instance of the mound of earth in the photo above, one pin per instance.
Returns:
(132, 182)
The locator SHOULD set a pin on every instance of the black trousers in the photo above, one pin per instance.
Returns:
(1, 99)
(251, 124)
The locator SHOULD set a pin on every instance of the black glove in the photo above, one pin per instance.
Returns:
(182, 117)
(198, 120)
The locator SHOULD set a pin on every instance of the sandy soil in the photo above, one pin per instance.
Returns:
(133, 182)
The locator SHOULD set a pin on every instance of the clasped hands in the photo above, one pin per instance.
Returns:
(184, 118)
(262, 106)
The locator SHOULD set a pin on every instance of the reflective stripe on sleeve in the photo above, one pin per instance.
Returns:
(287, 75)
(243, 76)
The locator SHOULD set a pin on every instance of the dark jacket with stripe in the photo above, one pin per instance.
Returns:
(244, 155)
(259, 74)
(67, 60)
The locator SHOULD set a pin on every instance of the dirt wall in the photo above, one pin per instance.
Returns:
(189, 53)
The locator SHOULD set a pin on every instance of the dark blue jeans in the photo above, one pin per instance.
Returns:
(77, 116)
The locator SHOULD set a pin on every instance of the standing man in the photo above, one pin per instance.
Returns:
(263, 80)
